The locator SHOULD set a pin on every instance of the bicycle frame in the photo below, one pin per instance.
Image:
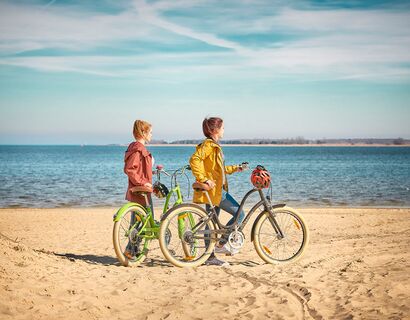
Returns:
(177, 191)
(152, 232)
(224, 229)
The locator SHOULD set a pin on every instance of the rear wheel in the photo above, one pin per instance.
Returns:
(269, 243)
(192, 242)
(129, 245)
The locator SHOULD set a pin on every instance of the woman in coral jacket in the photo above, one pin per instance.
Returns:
(208, 166)
(138, 163)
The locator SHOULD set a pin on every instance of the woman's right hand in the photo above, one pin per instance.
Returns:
(148, 185)
(210, 183)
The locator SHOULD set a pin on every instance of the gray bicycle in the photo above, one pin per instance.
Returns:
(279, 232)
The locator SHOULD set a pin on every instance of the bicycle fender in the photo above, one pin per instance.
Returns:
(280, 205)
(124, 208)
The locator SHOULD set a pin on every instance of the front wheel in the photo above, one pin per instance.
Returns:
(281, 236)
(130, 245)
(193, 238)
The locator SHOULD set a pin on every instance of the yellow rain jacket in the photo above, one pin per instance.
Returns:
(207, 163)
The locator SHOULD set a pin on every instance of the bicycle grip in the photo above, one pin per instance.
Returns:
(244, 166)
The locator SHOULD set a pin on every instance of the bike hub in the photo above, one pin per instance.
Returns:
(188, 236)
(236, 239)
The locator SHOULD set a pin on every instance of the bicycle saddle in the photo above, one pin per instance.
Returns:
(141, 189)
(199, 186)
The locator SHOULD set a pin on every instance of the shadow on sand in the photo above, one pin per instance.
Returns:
(89, 258)
(110, 261)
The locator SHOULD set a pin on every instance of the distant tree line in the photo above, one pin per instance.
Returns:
(295, 141)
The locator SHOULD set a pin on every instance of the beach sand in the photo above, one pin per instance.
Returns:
(60, 264)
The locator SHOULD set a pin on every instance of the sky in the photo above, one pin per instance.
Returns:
(81, 72)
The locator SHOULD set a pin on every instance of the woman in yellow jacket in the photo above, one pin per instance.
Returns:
(208, 166)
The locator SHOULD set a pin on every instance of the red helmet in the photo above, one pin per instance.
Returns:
(260, 177)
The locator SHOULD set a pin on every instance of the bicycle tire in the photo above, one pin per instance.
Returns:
(182, 257)
(296, 234)
(118, 231)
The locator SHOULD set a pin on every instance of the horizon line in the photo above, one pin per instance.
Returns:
(265, 141)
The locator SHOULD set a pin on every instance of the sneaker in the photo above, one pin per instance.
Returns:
(226, 249)
(214, 261)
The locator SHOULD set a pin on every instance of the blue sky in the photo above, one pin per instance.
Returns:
(74, 72)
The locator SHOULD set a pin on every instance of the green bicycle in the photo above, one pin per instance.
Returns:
(134, 224)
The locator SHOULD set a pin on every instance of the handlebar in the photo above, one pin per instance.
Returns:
(180, 171)
(244, 166)
(160, 169)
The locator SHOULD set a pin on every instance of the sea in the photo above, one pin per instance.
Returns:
(92, 176)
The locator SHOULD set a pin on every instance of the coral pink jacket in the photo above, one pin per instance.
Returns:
(138, 168)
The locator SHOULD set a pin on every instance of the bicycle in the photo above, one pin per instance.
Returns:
(134, 225)
(279, 232)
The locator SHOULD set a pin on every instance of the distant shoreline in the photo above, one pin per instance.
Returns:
(222, 144)
(287, 145)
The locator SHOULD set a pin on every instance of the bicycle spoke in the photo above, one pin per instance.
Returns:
(124, 229)
(185, 244)
(281, 248)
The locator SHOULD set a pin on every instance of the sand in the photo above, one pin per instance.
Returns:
(60, 264)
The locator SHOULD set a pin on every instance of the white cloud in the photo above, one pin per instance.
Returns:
(56, 64)
(27, 27)
(150, 15)
(157, 67)
(271, 16)
(340, 40)
(345, 43)
(337, 21)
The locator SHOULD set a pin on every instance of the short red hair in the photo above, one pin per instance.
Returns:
(211, 126)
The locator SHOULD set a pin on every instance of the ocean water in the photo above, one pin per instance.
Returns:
(89, 176)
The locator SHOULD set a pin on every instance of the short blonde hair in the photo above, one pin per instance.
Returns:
(141, 128)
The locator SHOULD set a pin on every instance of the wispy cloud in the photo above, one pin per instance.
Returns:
(28, 26)
(332, 21)
(150, 14)
(345, 43)
(60, 64)
(50, 3)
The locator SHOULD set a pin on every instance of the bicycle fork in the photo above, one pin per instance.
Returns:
(271, 216)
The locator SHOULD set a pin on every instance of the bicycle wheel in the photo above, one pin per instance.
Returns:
(127, 237)
(192, 241)
(273, 248)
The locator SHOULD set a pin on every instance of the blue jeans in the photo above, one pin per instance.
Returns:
(231, 206)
